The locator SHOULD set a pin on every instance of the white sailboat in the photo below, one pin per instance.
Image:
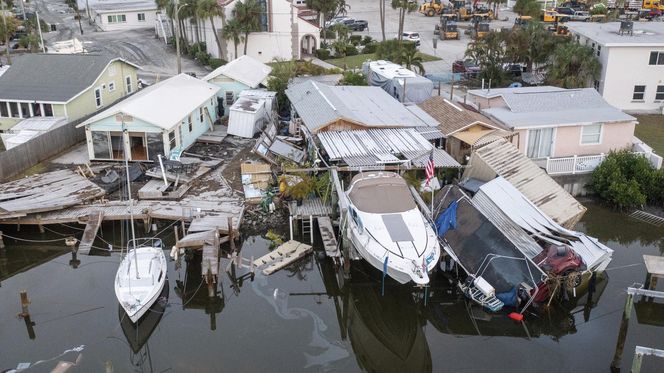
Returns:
(388, 230)
(142, 273)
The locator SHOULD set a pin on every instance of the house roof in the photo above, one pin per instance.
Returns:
(454, 117)
(52, 77)
(644, 34)
(105, 7)
(246, 70)
(550, 106)
(320, 104)
(507, 161)
(164, 104)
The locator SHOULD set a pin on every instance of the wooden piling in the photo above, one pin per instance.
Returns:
(231, 233)
(24, 304)
(39, 224)
(622, 335)
(2, 243)
(177, 236)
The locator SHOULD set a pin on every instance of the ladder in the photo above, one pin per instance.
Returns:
(307, 228)
(655, 220)
(491, 303)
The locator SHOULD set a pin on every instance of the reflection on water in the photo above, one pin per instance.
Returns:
(13, 262)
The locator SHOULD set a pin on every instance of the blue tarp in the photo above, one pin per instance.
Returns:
(447, 219)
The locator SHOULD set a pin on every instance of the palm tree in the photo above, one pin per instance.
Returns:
(322, 8)
(573, 66)
(210, 9)
(233, 31)
(489, 53)
(168, 6)
(530, 45)
(248, 13)
(411, 59)
(403, 6)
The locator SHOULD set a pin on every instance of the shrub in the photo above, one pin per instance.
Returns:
(324, 45)
(203, 57)
(323, 54)
(353, 78)
(329, 34)
(355, 39)
(216, 62)
(370, 48)
(351, 50)
(367, 40)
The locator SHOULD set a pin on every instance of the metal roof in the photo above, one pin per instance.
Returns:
(507, 161)
(245, 69)
(645, 33)
(52, 77)
(248, 104)
(550, 106)
(40, 124)
(318, 105)
(104, 7)
(378, 147)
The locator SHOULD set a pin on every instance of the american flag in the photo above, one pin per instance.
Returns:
(429, 169)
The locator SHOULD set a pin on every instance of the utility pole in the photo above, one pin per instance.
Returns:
(41, 37)
(4, 21)
(23, 11)
(87, 9)
(177, 36)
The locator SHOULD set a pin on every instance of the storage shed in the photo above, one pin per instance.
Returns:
(247, 116)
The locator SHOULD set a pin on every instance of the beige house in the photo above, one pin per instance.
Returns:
(462, 127)
(68, 86)
(563, 130)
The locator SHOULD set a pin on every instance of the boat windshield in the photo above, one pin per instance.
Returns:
(382, 195)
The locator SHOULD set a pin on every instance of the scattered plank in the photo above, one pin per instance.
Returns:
(199, 239)
(216, 136)
(329, 239)
(282, 256)
(91, 228)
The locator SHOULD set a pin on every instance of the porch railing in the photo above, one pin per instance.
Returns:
(580, 164)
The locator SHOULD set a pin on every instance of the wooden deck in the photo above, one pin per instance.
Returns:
(329, 239)
(46, 192)
(309, 207)
(214, 137)
(282, 256)
(91, 228)
(203, 168)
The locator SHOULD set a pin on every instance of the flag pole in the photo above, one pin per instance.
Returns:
(432, 202)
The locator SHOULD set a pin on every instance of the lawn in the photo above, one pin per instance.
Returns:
(355, 62)
(651, 131)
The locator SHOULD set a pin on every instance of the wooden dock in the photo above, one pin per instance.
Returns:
(91, 228)
(282, 256)
(329, 239)
(313, 207)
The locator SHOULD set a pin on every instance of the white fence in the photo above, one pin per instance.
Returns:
(587, 163)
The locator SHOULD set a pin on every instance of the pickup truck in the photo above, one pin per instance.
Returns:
(358, 25)
(580, 16)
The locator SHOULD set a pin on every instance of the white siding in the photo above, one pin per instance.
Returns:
(132, 22)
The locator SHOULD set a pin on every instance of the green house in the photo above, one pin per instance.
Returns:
(69, 86)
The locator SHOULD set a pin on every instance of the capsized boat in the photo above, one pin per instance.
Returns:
(140, 277)
(388, 230)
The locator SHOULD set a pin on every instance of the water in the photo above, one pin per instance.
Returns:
(298, 319)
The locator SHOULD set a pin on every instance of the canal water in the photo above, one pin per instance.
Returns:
(298, 319)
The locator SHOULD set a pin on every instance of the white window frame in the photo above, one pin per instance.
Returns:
(128, 86)
(659, 59)
(111, 86)
(101, 99)
(599, 135)
(639, 93)
(190, 123)
(658, 92)
(201, 114)
(112, 18)
(139, 17)
(553, 142)
(231, 95)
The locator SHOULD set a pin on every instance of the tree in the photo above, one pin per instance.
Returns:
(403, 6)
(573, 66)
(210, 9)
(323, 8)
(530, 45)
(233, 31)
(341, 43)
(282, 73)
(381, 10)
(527, 8)
(74, 5)
(410, 58)
(247, 13)
(489, 53)
(12, 25)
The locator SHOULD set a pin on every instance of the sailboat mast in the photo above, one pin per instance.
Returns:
(131, 204)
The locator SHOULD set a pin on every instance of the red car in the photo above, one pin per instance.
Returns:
(559, 261)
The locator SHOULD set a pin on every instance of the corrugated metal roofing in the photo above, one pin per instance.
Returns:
(41, 124)
(319, 104)
(382, 146)
(507, 161)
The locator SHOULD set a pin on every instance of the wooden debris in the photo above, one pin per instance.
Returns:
(282, 256)
(215, 136)
(329, 239)
(94, 222)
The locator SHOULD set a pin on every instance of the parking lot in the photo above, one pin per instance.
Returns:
(447, 50)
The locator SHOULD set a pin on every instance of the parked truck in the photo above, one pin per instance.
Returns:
(447, 29)
(431, 8)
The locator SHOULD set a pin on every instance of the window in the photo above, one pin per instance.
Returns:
(656, 58)
(200, 114)
(4, 112)
(36, 109)
(190, 123)
(13, 109)
(229, 98)
(101, 145)
(599, 49)
(48, 110)
(122, 18)
(112, 19)
(659, 94)
(639, 92)
(25, 110)
(141, 17)
(111, 86)
(128, 82)
(171, 140)
(540, 143)
(98, 97)
(119, 18)
(591, 134)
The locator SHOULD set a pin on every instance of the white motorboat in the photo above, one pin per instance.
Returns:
(140, 277)
(388, 230)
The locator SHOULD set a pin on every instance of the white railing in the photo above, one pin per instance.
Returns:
(581, 164)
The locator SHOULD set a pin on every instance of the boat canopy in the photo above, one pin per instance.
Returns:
(380, 193)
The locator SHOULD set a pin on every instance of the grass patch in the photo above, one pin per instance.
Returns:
(651, 131)
(355, 62)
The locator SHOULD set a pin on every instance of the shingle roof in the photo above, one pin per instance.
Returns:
(319, 104)
(52, 77)
(550, 106)
(245, 69)
(453, 117)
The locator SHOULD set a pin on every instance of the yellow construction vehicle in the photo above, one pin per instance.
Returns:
(431, 8)
(479, 28)
(653, 4)
(447, 29)
(522, 21)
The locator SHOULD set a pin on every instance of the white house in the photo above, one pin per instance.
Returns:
(238, 75)
(285, 33)
(160, 119)
(632, 77)
(124, 15)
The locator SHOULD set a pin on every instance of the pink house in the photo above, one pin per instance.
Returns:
(563, 130)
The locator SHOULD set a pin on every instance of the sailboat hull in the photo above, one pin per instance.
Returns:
(138, 292)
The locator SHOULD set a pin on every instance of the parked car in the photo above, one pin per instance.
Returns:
(513, 69)
(410, 36)
(467, 67)
(335, 20)
(358, 25)
(580, 16)
(565, 10)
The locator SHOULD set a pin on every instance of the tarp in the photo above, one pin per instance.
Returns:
(417, 88)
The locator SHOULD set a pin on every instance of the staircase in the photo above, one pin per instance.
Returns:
(491, 303)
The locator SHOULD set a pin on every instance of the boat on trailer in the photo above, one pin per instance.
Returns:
(388, 230)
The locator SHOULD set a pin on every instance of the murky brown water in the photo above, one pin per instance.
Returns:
(299, 320)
